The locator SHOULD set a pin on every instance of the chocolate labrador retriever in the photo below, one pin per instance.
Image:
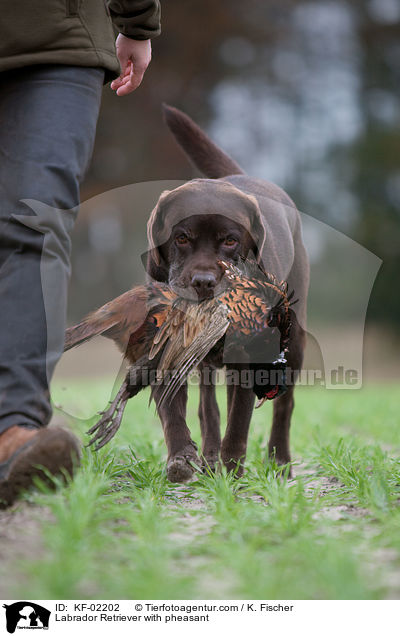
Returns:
(224, 216)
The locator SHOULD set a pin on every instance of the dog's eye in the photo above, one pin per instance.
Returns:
(230, 241)
(182, 239)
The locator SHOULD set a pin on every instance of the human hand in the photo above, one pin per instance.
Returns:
(134, 57)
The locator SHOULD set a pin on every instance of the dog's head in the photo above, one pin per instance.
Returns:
(195, 226)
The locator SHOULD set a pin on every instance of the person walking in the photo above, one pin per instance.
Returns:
(54, 60)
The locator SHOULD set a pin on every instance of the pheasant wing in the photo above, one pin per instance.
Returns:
(209, 324)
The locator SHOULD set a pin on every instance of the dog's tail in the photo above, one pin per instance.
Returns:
(202, 152)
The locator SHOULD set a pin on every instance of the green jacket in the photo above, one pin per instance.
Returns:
(74, 32)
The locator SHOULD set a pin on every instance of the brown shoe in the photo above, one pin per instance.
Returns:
(24, 451)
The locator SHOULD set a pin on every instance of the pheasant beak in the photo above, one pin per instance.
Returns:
(260, 402)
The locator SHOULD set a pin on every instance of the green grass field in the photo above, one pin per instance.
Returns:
(120, 530)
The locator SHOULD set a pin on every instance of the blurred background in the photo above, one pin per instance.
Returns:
(302, 93)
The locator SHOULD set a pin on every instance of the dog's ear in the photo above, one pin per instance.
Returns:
(257, 230)
(155, 227)
(155, 265)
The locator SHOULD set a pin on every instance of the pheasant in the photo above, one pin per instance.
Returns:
(161, 332)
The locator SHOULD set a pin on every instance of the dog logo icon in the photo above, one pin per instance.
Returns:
(26, 615)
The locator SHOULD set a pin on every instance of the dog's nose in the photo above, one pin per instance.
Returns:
(204, 283)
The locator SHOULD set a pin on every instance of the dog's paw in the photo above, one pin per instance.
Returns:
(285, 469)
(235, 466)
(180, 468)
(210, 463)
(282, 464)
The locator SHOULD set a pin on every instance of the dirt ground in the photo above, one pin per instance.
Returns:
(20, 533)
(20, 526)
(20, 538)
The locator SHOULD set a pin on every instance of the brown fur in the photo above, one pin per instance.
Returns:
(189, 230)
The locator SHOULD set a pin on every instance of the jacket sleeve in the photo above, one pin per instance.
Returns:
(137, 19)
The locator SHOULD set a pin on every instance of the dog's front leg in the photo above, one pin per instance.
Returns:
(182, 451)
(278, 445)
(209, 419)
(234, 444)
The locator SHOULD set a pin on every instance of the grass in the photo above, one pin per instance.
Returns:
(121, 530)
